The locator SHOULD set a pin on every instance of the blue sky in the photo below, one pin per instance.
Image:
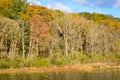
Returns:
(110, 7)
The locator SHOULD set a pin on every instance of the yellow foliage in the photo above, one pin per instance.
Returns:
(36, 9)
(4, 3)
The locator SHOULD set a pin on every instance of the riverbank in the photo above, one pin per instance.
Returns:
(79, 67)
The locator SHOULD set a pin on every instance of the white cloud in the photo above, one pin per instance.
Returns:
(98, 2)
(59, 6)
(34, 2)
(81, 2)
(86, 3)
(117, 4)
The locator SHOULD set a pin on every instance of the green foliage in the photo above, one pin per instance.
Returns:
(41, 62)
(91, 38)
(5, 63)
(8, 63)
(86, 15)
(57, 61)
(36, 62)
(76, 58)
(95, 16)
(81, 57)
(107, 20)
(16, 62)
(13, 8)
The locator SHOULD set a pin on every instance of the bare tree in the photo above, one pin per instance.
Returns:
(10, 35)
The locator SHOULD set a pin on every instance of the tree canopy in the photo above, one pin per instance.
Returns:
(33, 34)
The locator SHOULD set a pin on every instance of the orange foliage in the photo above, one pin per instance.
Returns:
(40, 31)
(36, 9)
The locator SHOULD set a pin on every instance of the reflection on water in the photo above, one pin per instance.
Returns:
(71, 75)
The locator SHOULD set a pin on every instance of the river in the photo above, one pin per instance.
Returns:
(68, 75)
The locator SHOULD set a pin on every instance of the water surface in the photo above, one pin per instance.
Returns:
(69, 75)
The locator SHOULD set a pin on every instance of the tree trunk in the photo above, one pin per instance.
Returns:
(23, 44)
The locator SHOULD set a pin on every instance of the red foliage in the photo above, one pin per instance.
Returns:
(40, 32)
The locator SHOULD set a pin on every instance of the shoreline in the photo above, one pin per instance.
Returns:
(78, 67)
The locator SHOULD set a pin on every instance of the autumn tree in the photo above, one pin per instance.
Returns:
(67, 31)
(24, 38)
(10, 33)
(13, 8)
(40, 35)
(37, 9)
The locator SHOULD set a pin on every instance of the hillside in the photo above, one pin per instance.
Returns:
(34, 36)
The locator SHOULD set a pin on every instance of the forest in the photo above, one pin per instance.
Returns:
(34, 36)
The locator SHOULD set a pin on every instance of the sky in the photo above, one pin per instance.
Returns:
(109, 7)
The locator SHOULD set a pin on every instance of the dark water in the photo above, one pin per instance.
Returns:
(71, 75)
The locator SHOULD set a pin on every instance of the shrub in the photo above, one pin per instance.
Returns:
(5, 63)
(36, 62)
(41, 62)
(57, 61)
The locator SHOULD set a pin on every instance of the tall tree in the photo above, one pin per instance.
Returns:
(13, 8)
(40, 35)
(10, 33)
(37, 9)
(67, 32)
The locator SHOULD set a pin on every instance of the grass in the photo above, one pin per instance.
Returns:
(75, 58)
